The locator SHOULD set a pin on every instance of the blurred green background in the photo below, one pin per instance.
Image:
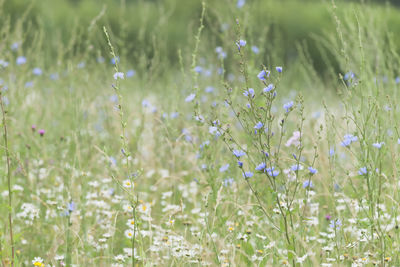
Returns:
(148, 29)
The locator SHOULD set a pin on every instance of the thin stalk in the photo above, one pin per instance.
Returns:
(5, 136)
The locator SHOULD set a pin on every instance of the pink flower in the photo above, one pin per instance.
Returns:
(41, 132)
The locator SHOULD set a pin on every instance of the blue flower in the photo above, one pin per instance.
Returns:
(29, 84)
(240, 3)
(37, 71)
(261, 166)
(119, 75)
(272, 172)
(362, 171)
(71, 206)
(224, 168)
(255, 49)
(190, 98)
(247, 175)
(113, 61)
(288, 106)
(259, 125)
(296, 167)
(249, 92)
(238, 153)
(240, 164)
(279, 69)
(335, 224)
(14, 46)
(240, 44)
(263, 75)
(228, 182)
(269, 88)
(21, 60)
(308, 184)
(221, 53)
(209, 89)
(198, 69)
(378, 145)
(349, 75)
(130, 73)
(397, 80)
(312, 170)
(348, 139)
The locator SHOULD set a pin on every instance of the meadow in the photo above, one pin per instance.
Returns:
(212, 139)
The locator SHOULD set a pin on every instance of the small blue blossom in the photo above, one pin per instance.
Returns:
(240, 164)
(118, 75)
(247, 175)
(54, 76)
(221, 53)
(378, 145)
(296, 167)
(312, 170)
(279, 69)
(21, 60)
(398, 141)
(14, 46)
(113, 61)
(29, 84)
(71, 206)
(259, 125)
(240, 44)
(190, 97)
(228, 182)
(255, 49)
(198, 69)
(348, 139)
(397, 80)
(349, 75)
(37, 71)
(249, 92)
(362, 171)
(288, 106)
(272, 172)
(130, 73)
(240, 3)
(3, 63)
(263, 75)
(308, 184)
(331, 151)
(224, 168)
(261, 167)
(335, 224)
(209, 89)
(269, 88)
(238, 153)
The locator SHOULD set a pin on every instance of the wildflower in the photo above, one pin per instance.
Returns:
(41, 132)
(129, 233)
(378, 145)
(240, 44)
(247, 175)
(312, 170)
(349, 75)
(224, 168)
(269, 88)
(240, 164)
(263, 75)
(272, 172)
(249, 92)
(127, 183)
(294, 139)
(81, 65)
(29, 84)
(261, 166)
(37, 71)
(362, 171)
(33, 127)
(14, 46)
(308, 184)
(238, 153)
(190, 98)
(296, 167)
(240, 3)
(38, 261)
(198, 69)
(130, 73)
(348, 139)
(328, 217)
(259, 125)
(118, 75)
(397, 80)
(335, 224)
(21, 60)
(228, 182)
(221, 53)
(288, 106)
(255, 49)
(131, 223)
(279, 69)
(71, 206)
(3, 63)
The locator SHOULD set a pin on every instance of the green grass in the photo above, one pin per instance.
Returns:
(69, 204)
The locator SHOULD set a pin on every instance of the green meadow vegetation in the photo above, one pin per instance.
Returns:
(199, 133)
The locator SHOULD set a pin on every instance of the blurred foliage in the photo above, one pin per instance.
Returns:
(148, 30)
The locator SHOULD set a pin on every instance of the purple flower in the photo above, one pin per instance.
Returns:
(335, 224)
(190, 98)
(41, 132)
(240, 3)
(308, 184)
(249, 92)
(255, 49)
(279, 69)
(33, 127)
(118, 75)
(261, 166)
(272, 172)
(247, 175)
(37, 71)
(240, 44)
(269, 88)
(198, 69)
(21, 60)
(130, 73)
(312, 170)
(378, 145)
(224, 168)
(288, 106)
(240, 164)
(348, 139)
(259, 125)
(238, 153)
(362, 171)
(263, 75)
